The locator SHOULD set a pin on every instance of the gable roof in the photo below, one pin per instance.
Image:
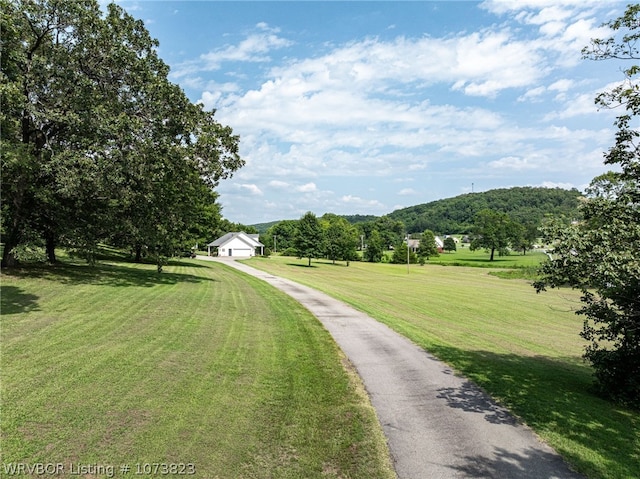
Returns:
(249, 239)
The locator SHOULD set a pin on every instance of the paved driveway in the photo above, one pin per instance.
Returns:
(438, 425)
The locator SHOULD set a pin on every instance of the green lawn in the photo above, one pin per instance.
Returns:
(523, 348)
(463, 256)
(199, 365)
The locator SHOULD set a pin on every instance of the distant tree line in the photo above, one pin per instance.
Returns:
(337, 239)
(334, 237)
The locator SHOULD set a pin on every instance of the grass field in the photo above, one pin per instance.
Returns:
(463, 256)
(200, 367)
(523, 348)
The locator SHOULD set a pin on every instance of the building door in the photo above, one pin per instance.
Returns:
(230, 252)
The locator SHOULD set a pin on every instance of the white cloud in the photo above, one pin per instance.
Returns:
(424, 106)
(306, 188)
(253, 189)
(562, 85)
(553, 184)
(254, 48)
(506, 6)
(356, 201)
(278, 184)
(513, 163)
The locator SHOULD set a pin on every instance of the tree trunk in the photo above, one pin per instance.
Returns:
(138, 257)
(50, 248)
(493, 250)
(8, 258)
(309, 261)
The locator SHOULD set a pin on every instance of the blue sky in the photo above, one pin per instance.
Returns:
(367, 107)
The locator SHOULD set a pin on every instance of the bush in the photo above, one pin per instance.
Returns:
(289, 252)
(618, 375)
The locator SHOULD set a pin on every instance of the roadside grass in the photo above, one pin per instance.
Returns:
(117, 364)
(523, 348)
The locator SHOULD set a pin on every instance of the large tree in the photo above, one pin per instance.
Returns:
(374, 250)
(449, 244)
(340, 238)
(600, 256)
(309, 238)
(492, 231)
(428, 246)
(281, 235)
(96, 142)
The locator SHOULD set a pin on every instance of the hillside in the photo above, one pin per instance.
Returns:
(456, 215)
(263, 227)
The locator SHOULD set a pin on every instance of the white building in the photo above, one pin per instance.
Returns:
(237, 244)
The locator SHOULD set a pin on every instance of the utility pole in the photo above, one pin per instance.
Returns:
(407, 253)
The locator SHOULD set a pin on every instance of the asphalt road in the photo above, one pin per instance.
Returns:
(438, 425)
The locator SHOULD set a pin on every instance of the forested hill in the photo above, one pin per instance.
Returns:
(524, 204)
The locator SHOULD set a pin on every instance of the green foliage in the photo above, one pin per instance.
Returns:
(374, 251)
(400, 254)
(97, 144)
(280, 235)
(340, 238)
(600, 256)
(428, 247)
(449, 244)
(492, 231)
(523, 236)
(390, 231)
(523, 205)
(309, 238)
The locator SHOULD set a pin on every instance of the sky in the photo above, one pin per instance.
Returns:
(367, 107)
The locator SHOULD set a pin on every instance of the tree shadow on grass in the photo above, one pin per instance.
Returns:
(301, 265)
(548, 394)
(529, 464)
(14, 300)
(116, 275)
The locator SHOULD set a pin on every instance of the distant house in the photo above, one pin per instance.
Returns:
(414, 244)
(237, 244)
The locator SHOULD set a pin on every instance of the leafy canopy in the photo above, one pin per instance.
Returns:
(600, 256)
(98, 145)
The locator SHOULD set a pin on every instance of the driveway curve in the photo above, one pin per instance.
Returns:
(438, 425)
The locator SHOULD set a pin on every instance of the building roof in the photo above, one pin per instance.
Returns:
(249, 239)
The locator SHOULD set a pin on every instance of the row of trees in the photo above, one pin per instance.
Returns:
(337, 239)
(331, 237)
(334, 238)
(378, 235)
(97, 144)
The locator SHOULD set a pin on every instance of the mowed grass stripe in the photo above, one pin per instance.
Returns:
(201, 364)
(523, 348)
